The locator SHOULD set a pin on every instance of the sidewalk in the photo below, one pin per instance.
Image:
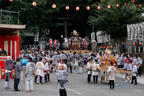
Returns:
(139, 79)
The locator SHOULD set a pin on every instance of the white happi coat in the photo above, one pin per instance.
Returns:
(40, 69)
(111, 72)
(46, 68)
(89, 67)
(134, 70)
(94, 69)
(136, 61)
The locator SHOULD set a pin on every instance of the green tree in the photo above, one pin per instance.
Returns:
(115, 19)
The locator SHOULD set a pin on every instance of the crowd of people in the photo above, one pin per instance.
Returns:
(38, 65)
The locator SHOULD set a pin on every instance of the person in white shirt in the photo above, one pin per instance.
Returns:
(128, 67)
(29, 74)
(46, 69)
(111, 70)
(51, 60)
(95, 71)
(89, 70)
(62, 61)
(134, 75)
(140, 65)
(39, 71)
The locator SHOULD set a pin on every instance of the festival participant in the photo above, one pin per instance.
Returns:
(132, 58)
(24, 62)
(127, 67)
(122, 59)
(69, 63)
(111, 70)
(30, 72)
(55, 59)
(80, 64)
(140, 65)
(62, 62)
(51, 60)
(58, 45)
(134, 74)
(29, 54)
(85, 57)
(89, 69)
(75, 63)
(36, 58)
(46, 69)
(118, 61)
(62, 75)
(21, 54)
(18, 69)
(39, 71)
(95, 71)
(7, 71)
(136, 61)
(126, 58)
(98, 57)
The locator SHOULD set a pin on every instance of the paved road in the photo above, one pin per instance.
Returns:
(77, 86)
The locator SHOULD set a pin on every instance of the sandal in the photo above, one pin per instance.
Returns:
(26, 90)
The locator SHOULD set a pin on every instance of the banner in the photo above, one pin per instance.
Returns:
(36, 37)
(92, 36)
(135, 31)
(102, 38)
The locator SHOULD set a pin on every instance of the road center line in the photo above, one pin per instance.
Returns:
(11, 92)
(75, 91)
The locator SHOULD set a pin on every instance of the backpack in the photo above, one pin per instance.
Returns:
(14, 64)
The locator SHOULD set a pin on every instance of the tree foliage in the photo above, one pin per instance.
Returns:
(115, 19)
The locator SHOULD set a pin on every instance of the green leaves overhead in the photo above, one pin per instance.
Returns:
(115, 19)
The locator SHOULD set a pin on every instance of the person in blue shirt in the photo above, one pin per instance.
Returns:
(23, 62)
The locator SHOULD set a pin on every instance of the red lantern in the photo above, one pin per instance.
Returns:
(133, 1)
(104, 47)
(99, 7)
(54, 6)
(34, 3)
(140, 5)
(77, 8)
(11, 0)
(133, 43)
(67, 7)
(125, 3)
(109, 6)
(107, 46)
(111, 46)
(140, 43)
(101, 46)
(88, 7)
(118, 5)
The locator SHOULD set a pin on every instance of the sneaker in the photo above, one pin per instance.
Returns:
(126, 81)
(130, 81)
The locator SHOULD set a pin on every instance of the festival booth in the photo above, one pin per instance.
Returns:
(9, 44)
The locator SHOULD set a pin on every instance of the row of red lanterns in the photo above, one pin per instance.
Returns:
(106, 47)
(134, 44)
(88, 7)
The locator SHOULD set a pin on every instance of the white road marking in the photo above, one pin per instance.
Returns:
(75, 91)
(11, 92)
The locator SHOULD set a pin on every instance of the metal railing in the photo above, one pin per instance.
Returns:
(9, 17)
